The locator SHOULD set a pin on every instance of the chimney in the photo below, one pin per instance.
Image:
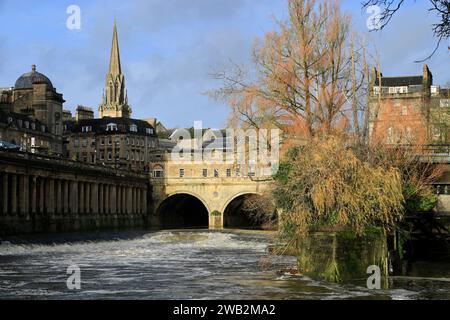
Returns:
(84, 113)
(427, 78)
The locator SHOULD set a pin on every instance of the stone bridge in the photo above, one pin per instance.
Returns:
(195, 196)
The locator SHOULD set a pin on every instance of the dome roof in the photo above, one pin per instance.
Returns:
(26, 80)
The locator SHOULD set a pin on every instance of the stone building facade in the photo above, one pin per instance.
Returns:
(408, 110)
(31, 113)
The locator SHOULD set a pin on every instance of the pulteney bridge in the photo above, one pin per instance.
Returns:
(199, 195)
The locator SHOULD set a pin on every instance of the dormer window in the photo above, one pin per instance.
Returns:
(149, 130)
(33, 126)
(27, 124)
(43, 128)
(133, 128)
(19, 122)
(111, 127)
(86, 128)
(10, 119)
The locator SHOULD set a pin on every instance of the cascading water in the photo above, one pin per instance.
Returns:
(189, 264)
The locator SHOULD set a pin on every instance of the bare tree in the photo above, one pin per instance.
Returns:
(441, 8)
(307, 75)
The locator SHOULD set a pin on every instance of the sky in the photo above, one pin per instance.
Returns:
(169, 48)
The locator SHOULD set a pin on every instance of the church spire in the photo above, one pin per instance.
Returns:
(114, 62)
(115, 101)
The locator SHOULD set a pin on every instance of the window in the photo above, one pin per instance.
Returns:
(127, 155)
(102, 142)
(132, 142)
(128, 141)
(86, 128)
(181, 173)
(109, 155)
(205, 173)
(84, 143)
(110, 141)
(216, 173)
(238, 171)
(158, 172)
(133, 128)
(111, 127)
(76, 143)
(142, 143)
(42, 128)
(27, 124)
(33, 126)
(19, 122)
(228, 173)
(149, 130)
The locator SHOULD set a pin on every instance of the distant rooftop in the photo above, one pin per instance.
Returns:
(400, 81)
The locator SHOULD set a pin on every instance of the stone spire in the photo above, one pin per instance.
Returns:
(114, 101)
(114, 61)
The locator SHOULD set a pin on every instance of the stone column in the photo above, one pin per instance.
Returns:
(144, 201)
(138, 200)
(50, 196)
(13, 194)
(107, 200)
(66, 200)
(87, 197)
(26, 195)
(74, 197)
(41, 195)
(101, 201)
(21, 194)
(59, 198)
(119, 199)
(34, 195)
(94, 197)
(129, 200)
(5, 193)
(112, 201)
(133, 200)
(81, 197)
(124, 199)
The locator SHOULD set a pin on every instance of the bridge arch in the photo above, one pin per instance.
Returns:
(234, 215)
(183, 209)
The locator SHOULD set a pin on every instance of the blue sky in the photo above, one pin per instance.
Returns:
(170, 47)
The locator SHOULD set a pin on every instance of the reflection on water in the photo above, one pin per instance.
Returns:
(190, 264)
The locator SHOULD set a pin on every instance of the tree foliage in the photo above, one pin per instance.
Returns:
(325, 185)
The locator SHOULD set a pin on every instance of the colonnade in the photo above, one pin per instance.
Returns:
(25, 194)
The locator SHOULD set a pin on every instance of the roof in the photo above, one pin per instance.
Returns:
(26, 80)
(100, 125)
(19, 116)
(400, 81)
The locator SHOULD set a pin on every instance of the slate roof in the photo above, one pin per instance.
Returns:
(400, 81)
(100, 126)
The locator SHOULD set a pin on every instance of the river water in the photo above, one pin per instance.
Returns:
(183, 264)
